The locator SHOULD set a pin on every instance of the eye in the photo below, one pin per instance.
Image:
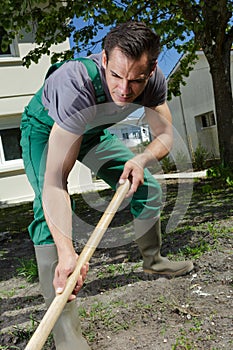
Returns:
(115, 75)
(138, 81)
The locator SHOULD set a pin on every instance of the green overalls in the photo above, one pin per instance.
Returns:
(102, 152)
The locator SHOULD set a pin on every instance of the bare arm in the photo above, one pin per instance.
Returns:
(160, 121)
(63, 150)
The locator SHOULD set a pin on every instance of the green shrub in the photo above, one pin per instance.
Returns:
(222, 173)
(182, 162)
(199, 157)
(167, 164)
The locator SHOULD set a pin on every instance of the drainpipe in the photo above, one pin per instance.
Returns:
(185, 126)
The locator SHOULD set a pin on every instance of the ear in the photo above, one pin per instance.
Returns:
(154, 68)
(104, 59)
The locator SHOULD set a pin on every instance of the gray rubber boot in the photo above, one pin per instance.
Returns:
(148, 238)
(67, 330)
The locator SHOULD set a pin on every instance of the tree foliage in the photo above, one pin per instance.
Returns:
(187, 25)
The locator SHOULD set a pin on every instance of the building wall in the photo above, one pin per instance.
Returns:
(130, 133)
(193, 108)
(18, 85)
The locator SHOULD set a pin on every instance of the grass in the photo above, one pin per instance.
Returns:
(112, 270)
(23, 334)
(184, 343)
(104, 315)
(7, 294)
(198, 234)
(192, 337)
(28, 269)
(9, 347)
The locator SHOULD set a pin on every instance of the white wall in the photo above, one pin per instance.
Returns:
(196, 99)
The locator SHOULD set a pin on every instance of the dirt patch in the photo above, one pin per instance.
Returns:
(121, 307)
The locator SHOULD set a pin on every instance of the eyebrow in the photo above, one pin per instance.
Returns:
(139, 78)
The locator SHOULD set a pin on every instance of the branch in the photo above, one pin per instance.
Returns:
(190, 12)
(146, 4)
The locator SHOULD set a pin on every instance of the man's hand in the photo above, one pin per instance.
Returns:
(160, 120)
(64, 269)
(134, 171)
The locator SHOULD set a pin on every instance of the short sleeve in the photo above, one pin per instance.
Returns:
(69, 97)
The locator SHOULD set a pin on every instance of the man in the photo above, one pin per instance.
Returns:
(64, 122)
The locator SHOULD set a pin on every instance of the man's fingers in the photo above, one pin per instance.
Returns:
(121, 181)
(84, 270)
(125, 175)
(60, 283)
(60, 279)
(134, 171)
(81, 279)
(72, 297)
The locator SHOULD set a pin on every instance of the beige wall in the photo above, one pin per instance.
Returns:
(18, 85)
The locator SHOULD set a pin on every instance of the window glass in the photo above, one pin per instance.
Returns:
(11, 143)
(208, 120)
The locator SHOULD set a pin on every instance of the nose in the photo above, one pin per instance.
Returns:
(125, 88)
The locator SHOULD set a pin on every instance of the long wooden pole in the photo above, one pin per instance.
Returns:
(47, 323)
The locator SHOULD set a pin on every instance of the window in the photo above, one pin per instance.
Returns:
(125, 136)
(207, 120)
(204, 121)
(12, 50)
(10, 145)
(136, 132)
(125, 133)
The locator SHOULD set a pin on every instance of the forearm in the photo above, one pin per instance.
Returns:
(58, 215)
(155, 151)
(62, 153)
(160, 121)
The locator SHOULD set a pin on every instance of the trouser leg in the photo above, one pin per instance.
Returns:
(67, 331)
(34, 142)
(108, 160)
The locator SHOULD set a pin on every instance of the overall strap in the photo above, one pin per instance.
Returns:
(93, 73)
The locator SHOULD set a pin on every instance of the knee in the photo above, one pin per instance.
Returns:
(147, 201)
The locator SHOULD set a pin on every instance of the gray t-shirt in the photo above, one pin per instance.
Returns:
(69, 97)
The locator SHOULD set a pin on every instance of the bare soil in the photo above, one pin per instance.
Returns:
(120, 306)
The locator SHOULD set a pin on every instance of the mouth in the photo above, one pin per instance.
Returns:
(123, 99)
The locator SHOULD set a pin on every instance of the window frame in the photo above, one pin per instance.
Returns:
(13, 54)
(8, 123)
(210, 119)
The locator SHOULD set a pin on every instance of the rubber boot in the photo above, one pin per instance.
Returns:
(148, 238)
(67, 330)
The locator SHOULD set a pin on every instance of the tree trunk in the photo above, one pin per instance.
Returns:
(220, 72)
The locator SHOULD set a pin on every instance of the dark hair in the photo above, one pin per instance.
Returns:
(133, 39)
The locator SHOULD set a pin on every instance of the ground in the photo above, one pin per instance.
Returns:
(120, 306)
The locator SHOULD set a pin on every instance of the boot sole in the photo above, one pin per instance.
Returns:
(181, 272)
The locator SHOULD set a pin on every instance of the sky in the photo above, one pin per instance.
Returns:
(167, 60)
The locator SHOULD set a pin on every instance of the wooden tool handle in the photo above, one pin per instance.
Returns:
(47, 323)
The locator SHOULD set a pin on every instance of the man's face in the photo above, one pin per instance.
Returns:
(126, 77)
